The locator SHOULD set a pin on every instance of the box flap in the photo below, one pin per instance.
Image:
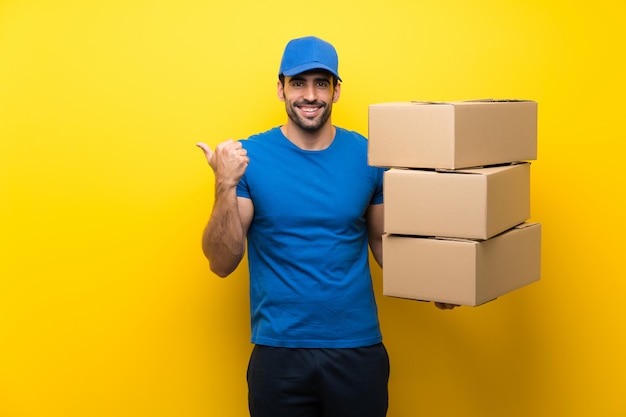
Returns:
(481, 170)
(525, 225)
(458, 239)
(447, 103)
(491, 100)
(483, 100)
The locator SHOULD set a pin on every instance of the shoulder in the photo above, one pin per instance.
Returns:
(261, 139)
(351, 135)
(351, 141)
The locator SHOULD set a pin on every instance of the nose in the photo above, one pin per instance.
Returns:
(309, 93)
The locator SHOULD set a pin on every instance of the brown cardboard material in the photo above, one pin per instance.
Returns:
(452, 135)
(463, 272)
(471, 203)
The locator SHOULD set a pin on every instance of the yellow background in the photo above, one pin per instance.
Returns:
(107, 307)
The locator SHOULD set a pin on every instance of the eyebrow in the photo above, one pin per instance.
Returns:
(316, 79)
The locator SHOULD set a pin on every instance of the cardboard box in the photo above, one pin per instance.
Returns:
(452, 135)
(470, 203)
(463, 272)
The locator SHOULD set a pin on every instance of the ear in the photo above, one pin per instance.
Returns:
(336, 92)
(280, 91)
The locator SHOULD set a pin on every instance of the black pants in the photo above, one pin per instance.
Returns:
(286, 382)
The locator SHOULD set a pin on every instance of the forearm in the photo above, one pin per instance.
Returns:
(375, 231)
(376, 245)
(223, 240)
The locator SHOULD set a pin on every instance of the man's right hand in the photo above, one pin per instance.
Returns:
(229, 160)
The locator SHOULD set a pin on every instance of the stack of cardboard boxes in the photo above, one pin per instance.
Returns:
(457, 198)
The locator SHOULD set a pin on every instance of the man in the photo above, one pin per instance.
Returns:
(308, 205)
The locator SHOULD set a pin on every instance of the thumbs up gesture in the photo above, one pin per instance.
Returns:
(229, 160)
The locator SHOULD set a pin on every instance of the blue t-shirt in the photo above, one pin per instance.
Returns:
(310, 283)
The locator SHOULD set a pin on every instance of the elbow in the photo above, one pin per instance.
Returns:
(220, 271)
(222, 260)
(223, 267)
(214, 265)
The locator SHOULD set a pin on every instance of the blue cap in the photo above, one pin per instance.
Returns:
(309, 53)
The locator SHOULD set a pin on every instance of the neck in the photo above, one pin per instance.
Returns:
(317, 140)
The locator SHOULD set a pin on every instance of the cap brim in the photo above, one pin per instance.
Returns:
(308, 67)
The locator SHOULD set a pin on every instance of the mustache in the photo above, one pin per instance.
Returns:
(310, 103)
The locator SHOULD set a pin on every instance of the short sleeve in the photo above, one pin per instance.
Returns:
(242, 188)
(377, 197)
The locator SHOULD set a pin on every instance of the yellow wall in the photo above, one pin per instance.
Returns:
(107, 307)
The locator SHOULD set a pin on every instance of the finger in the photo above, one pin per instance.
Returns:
(206, 149)
(203, 146)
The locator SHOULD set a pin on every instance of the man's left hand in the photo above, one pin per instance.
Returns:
(445, 306)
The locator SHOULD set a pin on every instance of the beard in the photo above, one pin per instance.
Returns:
(306, 123)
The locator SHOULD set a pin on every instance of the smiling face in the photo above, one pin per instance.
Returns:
(309, 99)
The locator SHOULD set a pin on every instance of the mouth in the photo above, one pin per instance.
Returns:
(310, 109)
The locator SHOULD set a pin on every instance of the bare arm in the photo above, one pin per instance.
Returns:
(375, 231)
(224, 237)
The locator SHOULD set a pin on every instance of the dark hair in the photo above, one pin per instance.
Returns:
(281, 78)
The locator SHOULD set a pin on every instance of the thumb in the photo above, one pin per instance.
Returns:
(208, 153)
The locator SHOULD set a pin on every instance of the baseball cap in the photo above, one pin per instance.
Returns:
(308, 53)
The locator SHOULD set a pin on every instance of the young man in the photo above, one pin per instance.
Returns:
(308, 205)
